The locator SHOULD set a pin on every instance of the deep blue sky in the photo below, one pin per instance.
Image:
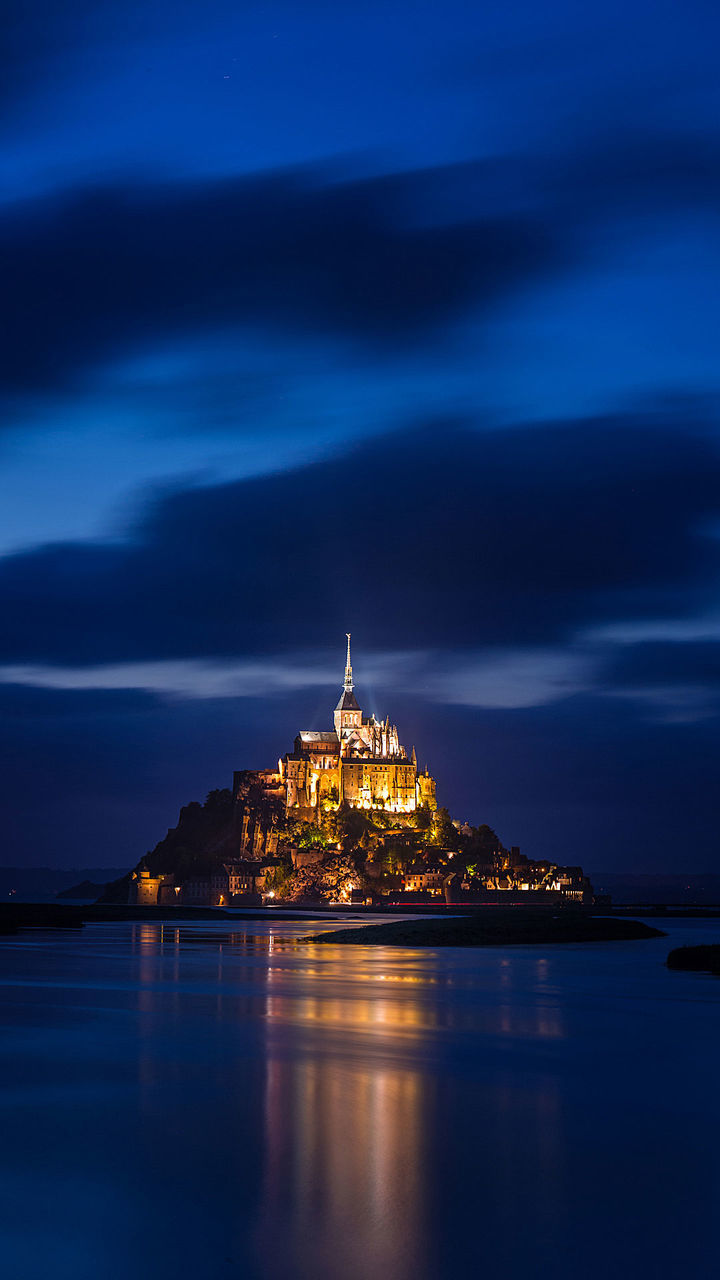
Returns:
(393, 318)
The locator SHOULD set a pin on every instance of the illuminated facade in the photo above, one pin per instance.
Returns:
(360, 762)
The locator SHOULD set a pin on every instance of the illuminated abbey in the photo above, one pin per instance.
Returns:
(290, 833)
(360, 762)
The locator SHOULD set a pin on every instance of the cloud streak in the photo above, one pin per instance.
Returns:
(91, 273)
(490, 680)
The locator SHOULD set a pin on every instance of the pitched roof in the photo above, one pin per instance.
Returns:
(348, 701)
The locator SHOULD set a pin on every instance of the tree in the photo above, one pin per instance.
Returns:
(446, 835)
(392, 858)
(423, 817)
(347, 826)
(479, 851)
(311, 837)
(277, 877)
(219, 803)
(483, 843)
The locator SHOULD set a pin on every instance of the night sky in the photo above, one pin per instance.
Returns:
(396, 318)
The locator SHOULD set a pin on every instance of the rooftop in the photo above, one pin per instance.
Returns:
(348, 701)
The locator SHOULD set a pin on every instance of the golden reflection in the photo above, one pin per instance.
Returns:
(148, 943)
(352, 1015)
(343, 1184)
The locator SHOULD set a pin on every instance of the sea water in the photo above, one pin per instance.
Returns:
(223, 1100)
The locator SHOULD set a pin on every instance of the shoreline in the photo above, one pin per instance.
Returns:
(531, 922)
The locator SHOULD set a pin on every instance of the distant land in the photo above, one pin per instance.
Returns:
(42, 884)
(86, 891)
(682, 890)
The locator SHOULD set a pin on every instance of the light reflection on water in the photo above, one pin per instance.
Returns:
(233, 1102)
(344, 1169)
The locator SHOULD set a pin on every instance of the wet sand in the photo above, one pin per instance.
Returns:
(496, 928)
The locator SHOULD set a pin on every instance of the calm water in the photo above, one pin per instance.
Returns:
(198, 1102)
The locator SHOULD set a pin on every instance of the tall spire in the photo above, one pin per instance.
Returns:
(348, 667)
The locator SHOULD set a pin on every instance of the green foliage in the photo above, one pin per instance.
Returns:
(380, 819)
(291, 827)
(446, 835)
(347, 826)
(480, 848)
(277, 877)
(391, 858)
(311, 837)
(329, 800)
(423, 818)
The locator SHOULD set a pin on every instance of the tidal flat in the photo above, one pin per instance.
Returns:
(703, 959)
(492, 928)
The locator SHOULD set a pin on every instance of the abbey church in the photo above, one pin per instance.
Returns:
(279, 832)
(359, 761)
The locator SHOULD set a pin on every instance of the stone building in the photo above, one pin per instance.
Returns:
(149, 891)
(197, 891)
(245, 877)
(359, 761)
(422, 877)
(209, 890)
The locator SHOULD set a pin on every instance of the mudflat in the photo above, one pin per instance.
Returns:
(704, 959)
(494, 928)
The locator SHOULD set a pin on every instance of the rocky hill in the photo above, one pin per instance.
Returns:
(205, 835)
(342, 851)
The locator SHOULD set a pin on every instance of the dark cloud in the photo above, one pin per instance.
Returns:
(87, 275)
(439, 536)
(388, 260)
(640, 170)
